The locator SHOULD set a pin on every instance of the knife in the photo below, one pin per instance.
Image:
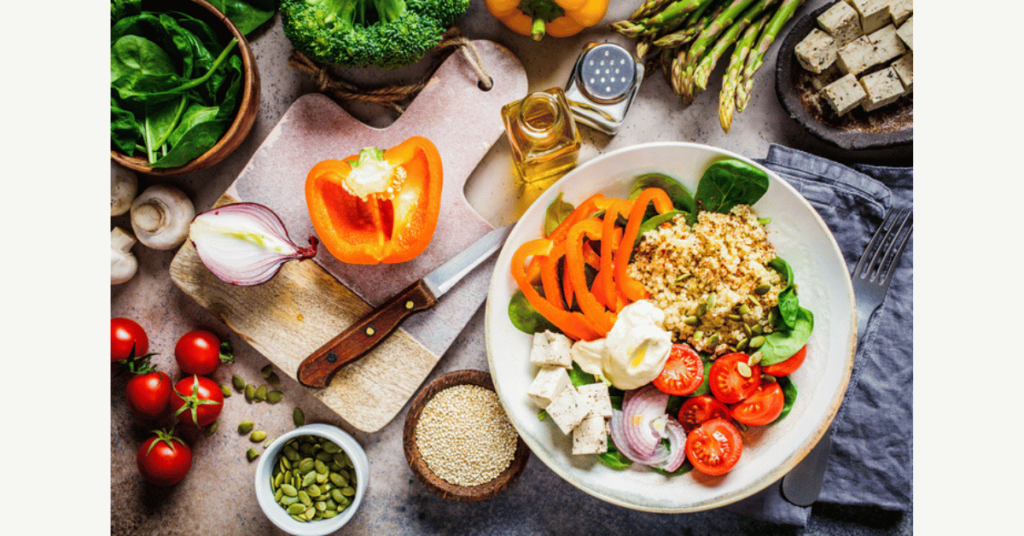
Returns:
(361, 337)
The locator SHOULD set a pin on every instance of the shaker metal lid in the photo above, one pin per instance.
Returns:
(606, 73)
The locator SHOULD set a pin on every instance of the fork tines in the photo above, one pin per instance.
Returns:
(888, 244)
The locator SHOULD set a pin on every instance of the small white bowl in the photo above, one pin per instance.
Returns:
(277, 515)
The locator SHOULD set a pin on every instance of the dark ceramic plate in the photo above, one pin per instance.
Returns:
(798, 91)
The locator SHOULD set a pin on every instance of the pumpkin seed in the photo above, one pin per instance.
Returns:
(768, 378)
(299, 519)
(306, 465)
(321, 505)
(339, 458)
(714, 339)
(212, 429)
(323, 456)
(742, 345)
(291, 453)
(281, 465)
(250, 393)
(326, 487)
(338, 480)
(274, 397)
(698, 335)
(244, 427)
(331, 505)
(743, 369)
(310, 512)
(762, 289)
(764, 221)
(737, 318)
(238, 382)
(261, 393)
(701, 309)
(313, 492)
(348, 492)
(225, 390)
(330, 513)
(268, 441)
(757, 342)
(252, 454)
(296, 509)
(304, 497)
(691, 321)
(273, 379)
(289, 490)
(257, 436)
(747, 330)
(288, 500)
(330, 447)
(757, 329)
(711, 301)
(683, 277)
(298, 417)
(337, 495)
(308, 479)
(744, 309)
(278, 479)
(321, 478)
(266, 371)
(755, 359)
(277, 495)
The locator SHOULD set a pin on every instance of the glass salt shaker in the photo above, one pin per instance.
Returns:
(602, 86)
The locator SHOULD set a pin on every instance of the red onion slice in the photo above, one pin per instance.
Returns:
(660, 455)
(677, 445)
(640, 408)
(244, 244)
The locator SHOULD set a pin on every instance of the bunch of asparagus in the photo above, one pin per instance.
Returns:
(687, 38)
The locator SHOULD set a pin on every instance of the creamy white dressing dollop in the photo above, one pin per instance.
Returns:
(635, 351)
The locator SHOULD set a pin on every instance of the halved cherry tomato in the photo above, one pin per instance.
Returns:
(726, 382)
(715, 447)
(683, 372)
(762, 407)
(699, 409)
(788, 366)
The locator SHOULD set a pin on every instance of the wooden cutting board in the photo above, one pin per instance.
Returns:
(308, 303)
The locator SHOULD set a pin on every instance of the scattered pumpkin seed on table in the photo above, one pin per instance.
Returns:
(257, 436)
(225, 390)
(252, 454)
(298, 417)
(274, 397)
(244, 427)
(238, 382)
(266, 371)
(250, 392)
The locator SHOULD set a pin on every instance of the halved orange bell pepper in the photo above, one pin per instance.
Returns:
(558, 18)
(377, 206)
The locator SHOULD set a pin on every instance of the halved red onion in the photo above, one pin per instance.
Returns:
(617, 426)
(677, 445)
(244, 244)
(640, 408)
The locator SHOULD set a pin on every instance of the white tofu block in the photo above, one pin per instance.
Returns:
(596, 395)
(841, 22)
(857, 56)
(906, 33)
(887, 44)
(549, 383)
(591, 436)
(818, 50)
(551, 349)
(844, 94)
(900, 10)
(904, 68)
(873, 13)
(568, 409)
(883, 87)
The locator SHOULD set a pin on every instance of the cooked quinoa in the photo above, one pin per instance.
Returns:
(724, 255)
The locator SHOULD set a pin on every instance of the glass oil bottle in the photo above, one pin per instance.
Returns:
(543, 135)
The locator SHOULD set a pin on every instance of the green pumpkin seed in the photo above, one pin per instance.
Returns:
(273, 379)
(757, 342)
(762, 289)
(711, 301)
(238, 382)
(289, 490)
(744, 309)
(338, 480)
(331, 505)
(326, 487)
(701, 309)
(291, 453)
(768, 378)
(348, 492)
(250, 393)
(244, 427)
(268, 441)
(698, 335)
(225, 390)
(296, 509)
(339, 458)
(265, 371)
(277, 495)
(313, 492)
(683, 277)
(337, 495)
(764, 221)
(321, 478)
(257, 436)
(691, 321)
(754, 359)
(329, 513)
(286, 463)
(299, 519)
(274, 397)
(298, 417)
(742, 345)
(304, 497)
(334, 467)
(714, 339)
(330, 447)
(308, 479)
(757, 329)
(261, 393)
(743, 369)
(737, 318)
(323, 456)
(212, 429)
(278, 479)
(320, 466)
(288, 500)
(322, 506)
(306, 465)
(310, 512)
(252, 454)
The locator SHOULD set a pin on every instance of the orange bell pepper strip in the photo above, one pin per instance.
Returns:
(378, 206)
(599, 317)
(549, 274)
(558, 18)
(635, 291)
(608, 229)
(575, 325)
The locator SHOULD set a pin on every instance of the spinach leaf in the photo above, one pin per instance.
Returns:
(781, 345)
(194, 142)
(557, 212)
(132, 55)
(161, 120)
(728, 183)
(789, 394)
(704, 388)
(247, 16)
(193, 117)
(164, 32)
(654, 223)
(123, 8)
(789, 304)
(525, 318)
(613, 458)
(578, 377)
(123, 128)
(680, 196)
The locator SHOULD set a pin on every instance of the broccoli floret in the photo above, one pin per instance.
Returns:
(362, 33)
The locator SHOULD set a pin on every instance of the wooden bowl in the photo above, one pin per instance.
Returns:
(419, 467)
(247, 108)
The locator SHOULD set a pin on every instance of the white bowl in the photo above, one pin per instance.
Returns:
(277, 515)
(799, 236)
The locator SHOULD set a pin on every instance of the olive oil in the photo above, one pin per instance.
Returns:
(543, 135)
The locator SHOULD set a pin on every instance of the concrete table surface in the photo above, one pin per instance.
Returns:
(217, 496)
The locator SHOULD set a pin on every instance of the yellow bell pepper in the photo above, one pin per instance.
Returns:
(557, 18)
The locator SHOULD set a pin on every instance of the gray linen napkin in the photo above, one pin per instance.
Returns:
(872, 437)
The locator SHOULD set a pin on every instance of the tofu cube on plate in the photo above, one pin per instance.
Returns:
(549, 383)
(551, 349)
(901, 10)
(857, 56)
(887, 44)
(841, 22)
(591, 436)
(568, 409)
(597, 398)
(873, 13)
(906, 33)
(844, 94)
(818, 51)
(904, 68)
(882, 87)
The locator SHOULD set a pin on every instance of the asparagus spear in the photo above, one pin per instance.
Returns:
(643, 46)
(702, 71)
(756, 57)
(727, 97)
(649, 26)
(648, 8)
(691, 28)
(706, 38)
(679, 63)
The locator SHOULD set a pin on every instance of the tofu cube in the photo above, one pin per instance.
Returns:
(882, 88)
(551, 349)
(901, 10)
(596, 395)
(818, 50)
(568, 409)
(906, 33)
(904, 68)
(857, 56)
(591, 436)
(549, 383)
(887, 44)
(873, 14)
(844, 94)
(841, 22)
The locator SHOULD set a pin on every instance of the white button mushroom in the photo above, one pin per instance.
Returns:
(123, 187)
(122, 263)
(161, 215)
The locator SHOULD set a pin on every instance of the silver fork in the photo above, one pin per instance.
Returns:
(871, 278)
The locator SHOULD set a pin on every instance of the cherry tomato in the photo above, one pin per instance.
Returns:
(762, 407)
(148, 394)
(124, 334)
(164, 459)
(788, 366)
(699, 409)
(197, 400)
(714, 447)
(726, 382)
(683, 372)
(199, 352)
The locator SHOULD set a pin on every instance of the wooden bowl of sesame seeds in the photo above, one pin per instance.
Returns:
(465, 437)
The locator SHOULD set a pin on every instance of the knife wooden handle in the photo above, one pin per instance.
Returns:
(317, 369)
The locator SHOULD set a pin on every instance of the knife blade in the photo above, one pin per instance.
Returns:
(362, 336)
